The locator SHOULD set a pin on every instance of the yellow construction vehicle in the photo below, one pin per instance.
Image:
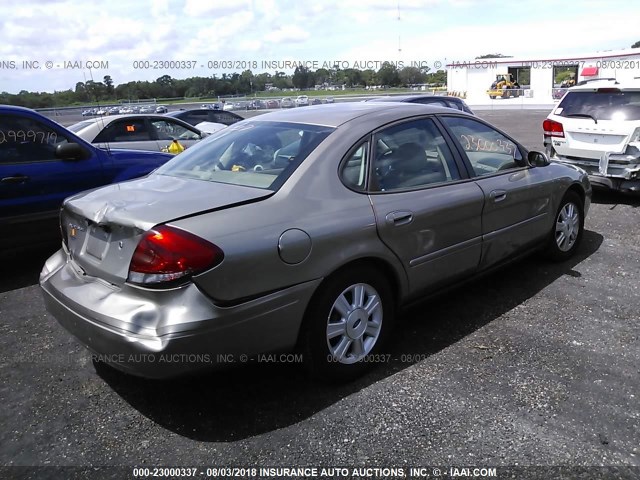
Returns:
(504, 87)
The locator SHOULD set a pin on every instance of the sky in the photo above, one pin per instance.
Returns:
(46, 44)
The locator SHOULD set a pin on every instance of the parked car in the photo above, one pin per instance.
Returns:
(316, 101)
(137, 131)
(596, 126)
(443, 101)
(303, 229)
(162, 109)
(329, 100)
(302, 101)
(256, 104)
(272, 103)
(287, 102)
(41, 163)
(197, 116)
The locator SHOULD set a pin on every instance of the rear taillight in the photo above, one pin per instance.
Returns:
(169, 255)
(552, 128)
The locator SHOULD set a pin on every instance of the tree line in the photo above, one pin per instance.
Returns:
(245, 83)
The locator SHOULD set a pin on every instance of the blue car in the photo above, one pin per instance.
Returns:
(42, 163)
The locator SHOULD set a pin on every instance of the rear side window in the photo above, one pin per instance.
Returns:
(604, 104)
(355, 167)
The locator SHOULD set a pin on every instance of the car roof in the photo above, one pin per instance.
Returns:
(104, 121)
(111, 118)
(14, 108)
(336, 114)
(595, 84)
(408, 98)
(187, 110)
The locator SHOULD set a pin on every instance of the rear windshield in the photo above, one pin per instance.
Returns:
(253, 154)
(602, 105)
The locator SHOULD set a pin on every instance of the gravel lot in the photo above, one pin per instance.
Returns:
(538, 364)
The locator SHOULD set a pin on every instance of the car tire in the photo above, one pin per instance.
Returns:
(492, 97)
(567, 229)
(341, 337)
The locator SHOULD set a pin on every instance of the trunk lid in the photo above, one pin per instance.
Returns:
(102, 227)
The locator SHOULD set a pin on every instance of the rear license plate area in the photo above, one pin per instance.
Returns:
(97, 242)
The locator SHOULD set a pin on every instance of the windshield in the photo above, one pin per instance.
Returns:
(76, 127)
(253, 154)
(606, 104)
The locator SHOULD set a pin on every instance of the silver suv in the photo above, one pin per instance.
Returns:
(596, 126)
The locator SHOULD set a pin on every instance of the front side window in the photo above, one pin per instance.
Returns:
(24, 140)
(488, 150)
(603, 104)
(412, 154)
(170, 130)
(253, 154)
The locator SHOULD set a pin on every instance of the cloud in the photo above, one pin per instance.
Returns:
(198, 8)
(287, 33)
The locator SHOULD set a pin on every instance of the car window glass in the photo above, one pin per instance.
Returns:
(604, 104)
(354, 169)
(439, 103)
(261, 154)
(412, 154)
(457, 106)
(76, 127)
(127, 130)
(488, 150)
(24, 140)
(170, 130)
(223, 117)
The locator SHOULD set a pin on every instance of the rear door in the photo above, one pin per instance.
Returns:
(426, 212)
(516, 197)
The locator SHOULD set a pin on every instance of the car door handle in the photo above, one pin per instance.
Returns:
(498, 195)
(399, 218)
(15, 179)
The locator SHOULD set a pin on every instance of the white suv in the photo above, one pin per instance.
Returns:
(596, 126)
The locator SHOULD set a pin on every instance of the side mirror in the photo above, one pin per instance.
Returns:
(70, 151)
(538, 159)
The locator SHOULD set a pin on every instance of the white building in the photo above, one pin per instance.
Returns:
(538, 76)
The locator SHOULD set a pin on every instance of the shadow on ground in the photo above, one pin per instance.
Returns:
(243, 402)
(21, 268)
(615, 199)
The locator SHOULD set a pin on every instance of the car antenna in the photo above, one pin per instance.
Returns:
(100, 117)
